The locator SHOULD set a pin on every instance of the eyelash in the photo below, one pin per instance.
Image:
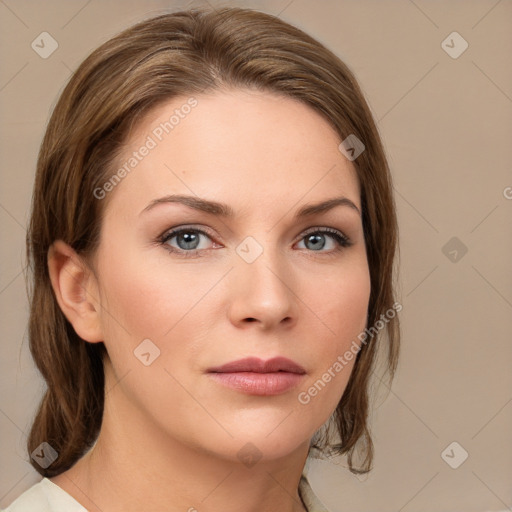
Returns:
(342, 241)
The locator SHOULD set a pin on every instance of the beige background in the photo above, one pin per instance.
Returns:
(447, 127)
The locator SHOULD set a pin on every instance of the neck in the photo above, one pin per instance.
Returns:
(135, 466)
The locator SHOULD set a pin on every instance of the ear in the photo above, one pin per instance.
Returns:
(76, 289)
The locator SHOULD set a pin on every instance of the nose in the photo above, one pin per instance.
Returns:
(263, 293)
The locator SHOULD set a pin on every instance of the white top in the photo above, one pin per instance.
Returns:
(45, 496)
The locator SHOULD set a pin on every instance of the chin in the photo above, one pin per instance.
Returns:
(266, 439)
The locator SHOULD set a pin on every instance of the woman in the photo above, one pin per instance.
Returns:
(212, 243)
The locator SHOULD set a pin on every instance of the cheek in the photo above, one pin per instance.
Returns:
(153, 300)
(145, 297)
(342, 305)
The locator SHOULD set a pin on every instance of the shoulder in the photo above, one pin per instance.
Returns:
(33, 498)
(45, 496)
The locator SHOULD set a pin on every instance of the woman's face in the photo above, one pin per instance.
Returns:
(259, 283)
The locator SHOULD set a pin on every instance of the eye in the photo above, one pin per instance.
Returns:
(315, 240)
(186, 241)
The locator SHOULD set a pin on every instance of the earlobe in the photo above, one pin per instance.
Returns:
(76, 289)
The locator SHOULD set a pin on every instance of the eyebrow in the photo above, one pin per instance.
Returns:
(225, 211)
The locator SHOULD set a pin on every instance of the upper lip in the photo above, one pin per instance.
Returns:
(256, 365)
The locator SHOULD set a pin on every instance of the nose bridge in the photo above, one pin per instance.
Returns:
(264, 287)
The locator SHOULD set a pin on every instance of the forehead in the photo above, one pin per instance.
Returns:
(249, 149)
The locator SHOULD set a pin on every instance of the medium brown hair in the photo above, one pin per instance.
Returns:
(186, 53)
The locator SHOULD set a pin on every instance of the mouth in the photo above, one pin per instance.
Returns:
(254, 376)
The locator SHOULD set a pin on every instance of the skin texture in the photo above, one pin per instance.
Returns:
(170, 435)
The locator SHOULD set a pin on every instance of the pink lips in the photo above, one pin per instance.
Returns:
(257, 377)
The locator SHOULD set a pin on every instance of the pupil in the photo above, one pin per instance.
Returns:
(317, 239)
(189, 239)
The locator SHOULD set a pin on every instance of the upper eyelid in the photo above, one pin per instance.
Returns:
(169, 233)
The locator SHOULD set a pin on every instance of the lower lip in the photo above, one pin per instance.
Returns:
(263, 384)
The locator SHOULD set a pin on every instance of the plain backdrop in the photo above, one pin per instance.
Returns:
(445, 115)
